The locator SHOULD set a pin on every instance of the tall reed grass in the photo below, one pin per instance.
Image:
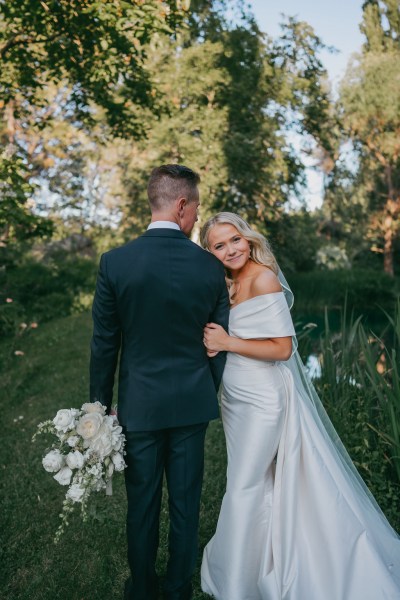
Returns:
(380, 370)
(359, 384)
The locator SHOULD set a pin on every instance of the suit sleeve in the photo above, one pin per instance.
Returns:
(220, 315)
(106, 339)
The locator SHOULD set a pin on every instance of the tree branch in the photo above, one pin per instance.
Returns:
(8, 44)
(14, 41)
(379, 155)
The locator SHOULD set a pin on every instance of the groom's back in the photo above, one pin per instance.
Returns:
(166, 289)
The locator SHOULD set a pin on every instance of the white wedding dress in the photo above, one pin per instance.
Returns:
(303, 526)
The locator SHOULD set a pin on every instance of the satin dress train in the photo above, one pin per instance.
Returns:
(293, 524)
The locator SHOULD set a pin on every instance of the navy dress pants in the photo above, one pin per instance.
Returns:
(179, 452)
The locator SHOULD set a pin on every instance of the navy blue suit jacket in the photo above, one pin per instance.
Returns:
(153, 298)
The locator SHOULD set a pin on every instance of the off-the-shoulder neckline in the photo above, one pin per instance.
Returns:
(254, 297)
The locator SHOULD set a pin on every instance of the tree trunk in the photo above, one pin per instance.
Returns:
(391, 207)
(10, 124)
(388, 244)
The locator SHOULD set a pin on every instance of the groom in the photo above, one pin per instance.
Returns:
(153, 299)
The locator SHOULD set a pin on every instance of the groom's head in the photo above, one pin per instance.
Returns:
(174, 195)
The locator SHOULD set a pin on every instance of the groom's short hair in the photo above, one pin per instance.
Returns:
(169, 182)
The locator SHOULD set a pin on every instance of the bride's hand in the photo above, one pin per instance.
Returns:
(215, 337)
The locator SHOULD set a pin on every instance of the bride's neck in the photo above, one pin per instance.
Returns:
(246, 272)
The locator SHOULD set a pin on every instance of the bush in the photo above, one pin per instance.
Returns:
(41, 291)
(11, 315)
(365, 290)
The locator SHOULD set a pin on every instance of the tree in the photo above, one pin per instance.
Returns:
(295, 240)
(95, 50)
(370, 105)
(345, 215)
(262, 167)
(96, 47)
(228, 96)
(17, 223)
(381, 25)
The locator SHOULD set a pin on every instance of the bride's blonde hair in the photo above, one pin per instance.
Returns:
(260, 250)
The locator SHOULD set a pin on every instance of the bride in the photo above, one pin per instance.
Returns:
(297, 521)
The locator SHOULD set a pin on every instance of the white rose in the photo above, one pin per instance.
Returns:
(94, 407)
(89, 425)
(72, 441)
(75, 460)
(108, 421)
(118, 460)
(75, 492)
(64, 420)
(53, 461)
(102, 442)
(64, 476)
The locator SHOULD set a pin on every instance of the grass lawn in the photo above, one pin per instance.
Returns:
(89, 563)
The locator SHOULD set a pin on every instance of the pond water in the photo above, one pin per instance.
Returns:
(313, 366)
(375, 320)
(310, 327)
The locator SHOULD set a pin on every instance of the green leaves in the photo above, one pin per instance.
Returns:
(370, 109)
(17, 222)
(96, 47)
(93, 48)
(381, 25)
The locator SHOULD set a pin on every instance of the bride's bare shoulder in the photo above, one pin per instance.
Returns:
(265, 282)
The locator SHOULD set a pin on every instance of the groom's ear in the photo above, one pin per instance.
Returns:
(181, 203)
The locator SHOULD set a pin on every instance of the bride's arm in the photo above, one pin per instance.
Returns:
(216, 339)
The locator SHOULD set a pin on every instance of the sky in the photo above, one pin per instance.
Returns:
(337, 24)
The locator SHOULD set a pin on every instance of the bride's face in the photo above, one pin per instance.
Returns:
(232, 249)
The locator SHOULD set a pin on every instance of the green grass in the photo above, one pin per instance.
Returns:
(89, 563)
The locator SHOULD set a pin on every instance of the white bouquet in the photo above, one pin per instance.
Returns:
(88, 449)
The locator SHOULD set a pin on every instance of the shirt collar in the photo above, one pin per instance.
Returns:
(164, 225)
